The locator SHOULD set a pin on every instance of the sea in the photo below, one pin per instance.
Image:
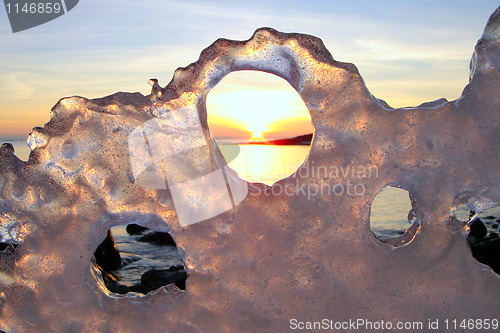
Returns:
(266, 164)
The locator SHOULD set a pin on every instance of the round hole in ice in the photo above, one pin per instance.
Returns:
(393, 220)
(135, 259)
(266, 118)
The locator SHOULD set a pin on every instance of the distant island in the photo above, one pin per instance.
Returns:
(298, 140)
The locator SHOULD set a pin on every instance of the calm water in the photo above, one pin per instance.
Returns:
(265, 163)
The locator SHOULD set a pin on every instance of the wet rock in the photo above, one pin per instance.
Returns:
(159, 238)
(155, 279)
(118, 288)
(112, 282)
(477, 231)
(7, 257)
(107, 255)
(488, 252)
(7, 247)
(110, 279)
(135, 229)
(139, 289)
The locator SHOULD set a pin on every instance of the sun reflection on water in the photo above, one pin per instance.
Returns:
(267, 163)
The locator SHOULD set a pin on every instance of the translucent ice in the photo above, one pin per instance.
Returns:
(289, 251)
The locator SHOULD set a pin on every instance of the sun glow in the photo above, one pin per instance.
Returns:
(255, 106)
(258, 132)
(257, 135)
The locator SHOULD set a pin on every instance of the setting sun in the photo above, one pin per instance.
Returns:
(255, 106)
(258, 132)
(256, 135)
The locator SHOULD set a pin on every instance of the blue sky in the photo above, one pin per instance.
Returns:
(407, 52)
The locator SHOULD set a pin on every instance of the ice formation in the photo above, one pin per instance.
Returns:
(274, 256)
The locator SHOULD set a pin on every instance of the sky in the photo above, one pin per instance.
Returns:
(256, 106)
(408, 52)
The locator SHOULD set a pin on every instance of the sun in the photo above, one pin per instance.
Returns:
(257, 132)
(256, 106)
(257, 135)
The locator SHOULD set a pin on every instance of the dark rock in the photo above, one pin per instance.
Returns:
(107, 255)
(8, 147)
(135, 229)
(477, 230)
(159, 238)
(112, 282)
(488, 253)
(118, 288)
(155, 279)
(139, 289)
(109, 278)
(490, 217)
(8, 247)
(8, 258)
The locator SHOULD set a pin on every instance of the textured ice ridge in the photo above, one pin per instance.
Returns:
(269, 258)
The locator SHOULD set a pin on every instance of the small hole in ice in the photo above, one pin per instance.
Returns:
(133, 258)
(392, 218)
(266, 119)
(462, 213)
(9, 235)
(483, 235)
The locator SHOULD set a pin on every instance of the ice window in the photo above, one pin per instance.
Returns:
(393, 219)
(266, 119)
